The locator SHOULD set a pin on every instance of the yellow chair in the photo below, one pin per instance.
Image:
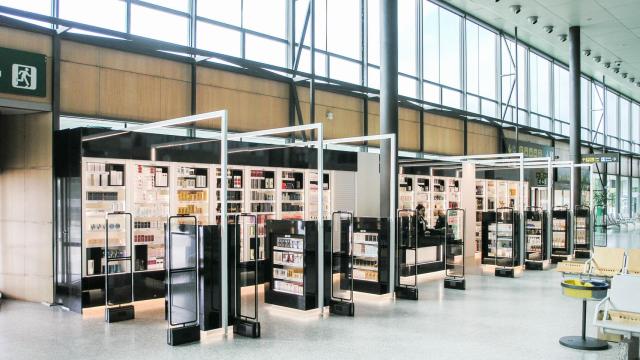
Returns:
(633, 261)
(606, 262)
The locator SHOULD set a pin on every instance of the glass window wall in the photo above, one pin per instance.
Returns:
(260, 30)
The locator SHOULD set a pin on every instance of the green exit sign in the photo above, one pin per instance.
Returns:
(23, 73)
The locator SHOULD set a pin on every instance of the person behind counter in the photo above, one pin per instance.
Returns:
(422, 223)
(442, 220)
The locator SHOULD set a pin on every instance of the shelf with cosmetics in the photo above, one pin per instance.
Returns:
(311, 206)
(235, 192)
(150, 206)
(292, 272)
(582, 232)
(560, 218)
(423, 194)
(405, 192)
(481, 202)
(104, 191)
(291, 194)
(370, 255)
(501, 238)
(261, 201)
(191, 192)
(535, 238)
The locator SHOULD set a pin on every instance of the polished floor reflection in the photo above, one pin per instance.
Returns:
(495, 318)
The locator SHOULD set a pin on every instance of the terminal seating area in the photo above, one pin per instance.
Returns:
(618, 220)
(603, 263)
(619, 312)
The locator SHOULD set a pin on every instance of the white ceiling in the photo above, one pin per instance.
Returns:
(609, 28)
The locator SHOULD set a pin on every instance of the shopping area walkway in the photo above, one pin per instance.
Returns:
(495, 318)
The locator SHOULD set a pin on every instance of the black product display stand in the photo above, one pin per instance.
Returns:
(286, 286)
(246, 325)
(454, 246)
(183, 298)
(407, 241)
(342, 262)
(506, 225)
(369, 228)
(582, 232)
(560, 234)
(211, 276)
(495, 228)
(536, 235)
(118, 288)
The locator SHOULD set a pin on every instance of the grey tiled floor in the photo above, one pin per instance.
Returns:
(495, 318)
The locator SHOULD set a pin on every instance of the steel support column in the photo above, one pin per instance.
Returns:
(574, 110)
(388, 96)
(312, 81)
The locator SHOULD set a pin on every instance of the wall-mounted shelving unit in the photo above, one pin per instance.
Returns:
(261, 201)
(150, 208)
(423, 195)
(312, 196)
(291, 194)
(104, 191)
(235, 192)
(191, 192)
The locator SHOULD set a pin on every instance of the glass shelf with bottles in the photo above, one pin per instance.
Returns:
(262, 191)
(288, 265)
(235, 191)
(453, 193)
(365, 256)
(490, 197)
(438, 201)
(192, 192)
(312, 196)
(291, 195)
(480, 207)
(502, 194)
(103, 192)
(423, 193)
(151, 199)
(405, 192)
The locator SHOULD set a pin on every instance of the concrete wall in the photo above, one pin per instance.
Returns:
(26, 240)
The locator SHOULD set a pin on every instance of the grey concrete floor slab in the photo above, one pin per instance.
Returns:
(495, 318)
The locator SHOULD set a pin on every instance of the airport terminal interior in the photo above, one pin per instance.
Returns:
(274, 179)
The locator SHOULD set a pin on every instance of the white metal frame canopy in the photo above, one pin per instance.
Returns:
(225, 137)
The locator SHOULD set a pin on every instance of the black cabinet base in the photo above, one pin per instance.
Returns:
(455, 283)
(343, 308)
(183, 335)
(534, 265)
(407, 293)
(505, 272)
(247, 328)
(121, 313)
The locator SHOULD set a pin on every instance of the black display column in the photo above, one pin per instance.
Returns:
(574, 111)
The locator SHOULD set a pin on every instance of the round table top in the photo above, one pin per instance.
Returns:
(585, 289)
